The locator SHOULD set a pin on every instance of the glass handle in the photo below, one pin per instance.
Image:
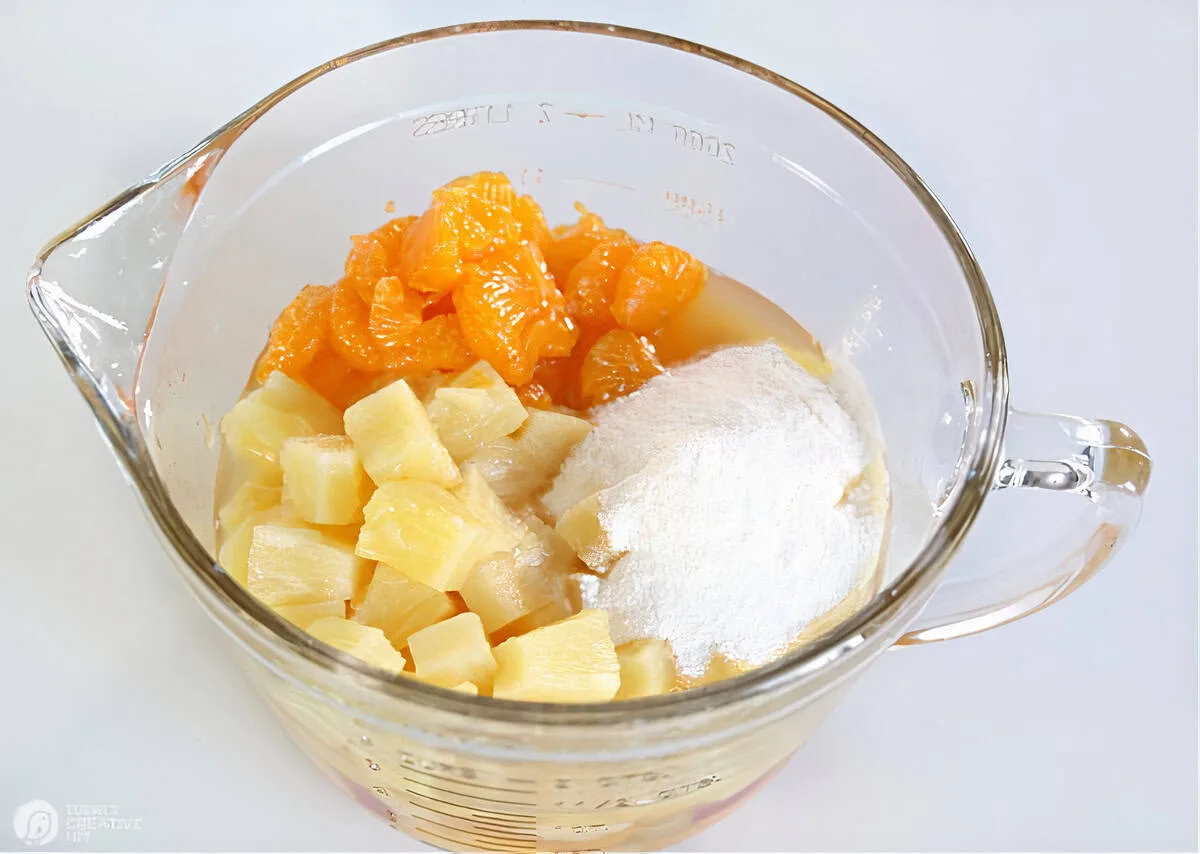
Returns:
(1103, 462)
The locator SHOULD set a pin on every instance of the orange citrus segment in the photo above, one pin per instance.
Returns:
(350, 330)
(493, 187)
(375, 255)
(531, 222)
(297, 334)
(438, 344)
(619, 363)
(395, 312)
(658, 281)
(570, 244)
(593, 282)
(459, 227)
(535, 395)
(512, 313)
(336, 381)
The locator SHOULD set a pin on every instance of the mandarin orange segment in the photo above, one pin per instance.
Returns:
(438, 344)
(531, 222)
(350, 330)
(535, 395)
(593, 282)
(619, 363)
(570, 244)
(297, 334)
(376, 255)
(491, 186)
(395, 312)
(459, 227)
(336, 381)
(511, 312)
(658, 281)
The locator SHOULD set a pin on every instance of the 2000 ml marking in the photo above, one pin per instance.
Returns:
(545, 113)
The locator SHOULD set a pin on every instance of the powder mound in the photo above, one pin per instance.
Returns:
(723, 483)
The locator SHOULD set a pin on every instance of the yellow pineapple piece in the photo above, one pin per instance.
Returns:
(467, 688)
(399, 606)
(514, 584)
(452, 652)
(423, 531)
(257, 426)
(519, 465)
(647, 668)
(250, 498)
(234, 551)
(480, 375)
(572, 661)
(581, 528)
(323, 479)
(304, 615)
(556, 611)
(468, 418)
(395, 438)
(363, 642)
(505, 528)
(296, 566)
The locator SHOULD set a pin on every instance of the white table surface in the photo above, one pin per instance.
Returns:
(1061, 135)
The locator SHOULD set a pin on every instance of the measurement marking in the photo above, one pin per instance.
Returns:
(483, 846)
(490, 836)
(520, 829)
(469, 795)
(521, 780)
(586, 115)
(599, 181)
(467, 783)
(517, 820)
(505, 815)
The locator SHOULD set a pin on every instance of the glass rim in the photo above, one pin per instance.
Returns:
(820, 655)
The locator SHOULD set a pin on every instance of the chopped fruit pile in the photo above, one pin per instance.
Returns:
(403, 423)
(566, 317)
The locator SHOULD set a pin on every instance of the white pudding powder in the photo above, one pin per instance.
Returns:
(723, 482)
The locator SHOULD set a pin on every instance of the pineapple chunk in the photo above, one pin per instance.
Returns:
(399, 606)
(572, 661)
(255, 429)
(467, 418)
(514, 584)
(323, 479)
(304, 615)
(556, 611)
(234, 552)
(517, 466)
(467, 688)
(647, 668)
(505, 528)
(395, 438)
(360, 641)
(423, 531)
(297, 566)
(452, 652)
(285, 394)
(250, 498)
(581, 528)
(481, 375)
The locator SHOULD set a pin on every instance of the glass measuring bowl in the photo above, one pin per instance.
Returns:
(159, 302)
